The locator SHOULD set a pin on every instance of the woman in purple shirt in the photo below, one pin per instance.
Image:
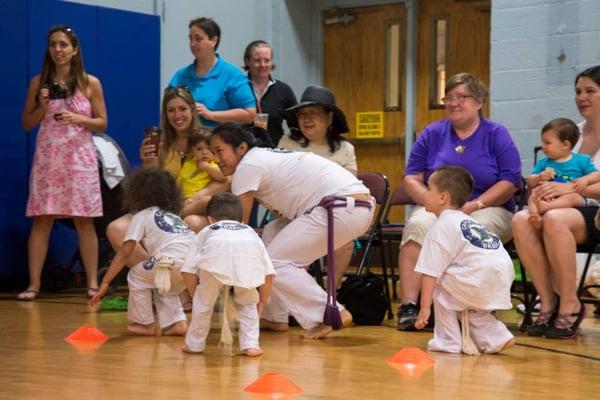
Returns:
(482, 147)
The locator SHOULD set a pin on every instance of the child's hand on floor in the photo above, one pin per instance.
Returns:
(99, 294)
(423, 317)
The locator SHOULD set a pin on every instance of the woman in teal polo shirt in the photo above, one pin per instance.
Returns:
(221, 90)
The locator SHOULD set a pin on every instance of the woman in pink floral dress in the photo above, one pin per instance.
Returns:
(69, 105)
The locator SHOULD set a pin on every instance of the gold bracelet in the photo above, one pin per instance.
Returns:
(480, 204)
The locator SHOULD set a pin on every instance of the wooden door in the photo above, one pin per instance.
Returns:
(355, 69)
(467, 48)
(357, 57)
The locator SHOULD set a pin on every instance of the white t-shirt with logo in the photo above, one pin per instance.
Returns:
(469, 262)
(233, 253)
(161, 233)
(291, 182)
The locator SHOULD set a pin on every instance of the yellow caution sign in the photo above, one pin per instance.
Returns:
(369, 125)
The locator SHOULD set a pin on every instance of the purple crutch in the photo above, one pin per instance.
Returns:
(332, 315)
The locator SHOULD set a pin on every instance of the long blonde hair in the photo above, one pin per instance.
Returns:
(77, 76)
(168, 132)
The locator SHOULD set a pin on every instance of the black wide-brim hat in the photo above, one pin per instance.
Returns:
(317, 95)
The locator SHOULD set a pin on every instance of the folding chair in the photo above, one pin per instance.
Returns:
(392, 232)
(380, 190)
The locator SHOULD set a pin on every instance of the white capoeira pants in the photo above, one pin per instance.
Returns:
(141, 291)
(292, 246)
(489, 334)
(205, 297)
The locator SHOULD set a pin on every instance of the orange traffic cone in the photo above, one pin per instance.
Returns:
(411, 355)
(411, 362)
(87, 333)
(274, 384)
(87, 338)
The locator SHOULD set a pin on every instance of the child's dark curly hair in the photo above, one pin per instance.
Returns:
(151, 187)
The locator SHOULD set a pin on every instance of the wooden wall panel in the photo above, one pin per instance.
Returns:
(355, 71)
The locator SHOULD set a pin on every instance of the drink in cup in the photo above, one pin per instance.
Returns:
(152, 135)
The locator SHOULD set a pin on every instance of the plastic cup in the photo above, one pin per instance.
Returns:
(261, 120)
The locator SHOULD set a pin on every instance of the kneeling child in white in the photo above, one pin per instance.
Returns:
(467, 273)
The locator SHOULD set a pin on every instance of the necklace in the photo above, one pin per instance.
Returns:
(460, 149)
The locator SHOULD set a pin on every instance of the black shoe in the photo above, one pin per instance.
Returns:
(565, 329)
(407, 316)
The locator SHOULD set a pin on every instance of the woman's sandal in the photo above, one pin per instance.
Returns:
(544, 321)
(565, 329)
(28, 295)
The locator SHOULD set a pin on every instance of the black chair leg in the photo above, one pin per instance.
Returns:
(386, 285)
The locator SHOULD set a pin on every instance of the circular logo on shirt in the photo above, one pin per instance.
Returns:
(170, 222)
(478, 235)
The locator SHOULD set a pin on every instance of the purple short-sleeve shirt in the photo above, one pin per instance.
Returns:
(489, 154)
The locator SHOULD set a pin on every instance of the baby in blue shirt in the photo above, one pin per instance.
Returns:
(560, 165)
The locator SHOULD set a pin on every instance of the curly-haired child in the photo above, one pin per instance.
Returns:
(153, 197)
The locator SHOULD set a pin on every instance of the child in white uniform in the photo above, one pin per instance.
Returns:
(153, 197)
(228, 253)
(466, 272)
(292, 185)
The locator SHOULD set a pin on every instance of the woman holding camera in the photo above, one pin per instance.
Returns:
(69, 105)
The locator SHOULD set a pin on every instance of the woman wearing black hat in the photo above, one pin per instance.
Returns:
(321, 125)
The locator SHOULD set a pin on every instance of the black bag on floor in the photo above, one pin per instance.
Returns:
(365, 298)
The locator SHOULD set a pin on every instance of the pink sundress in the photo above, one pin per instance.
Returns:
(64, 178)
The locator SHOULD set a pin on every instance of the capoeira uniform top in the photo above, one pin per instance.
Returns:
(162, 234)
(291, 183)
(231, 252)
(469, 261)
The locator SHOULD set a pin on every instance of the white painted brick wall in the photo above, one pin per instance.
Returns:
(530, 84)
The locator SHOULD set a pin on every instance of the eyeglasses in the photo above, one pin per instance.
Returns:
(458, 98)
(309, 114)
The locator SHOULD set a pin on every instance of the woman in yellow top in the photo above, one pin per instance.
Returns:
(178, 119)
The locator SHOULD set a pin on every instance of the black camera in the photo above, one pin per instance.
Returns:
(57, 91)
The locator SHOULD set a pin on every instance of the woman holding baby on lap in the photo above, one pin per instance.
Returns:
(547, 248)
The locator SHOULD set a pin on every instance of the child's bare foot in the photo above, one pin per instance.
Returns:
(138, 329)
(322, 330)
(177, 329)
(274, 326)
(186, 349)
(536, 221)
(253, 352)
(543, 206)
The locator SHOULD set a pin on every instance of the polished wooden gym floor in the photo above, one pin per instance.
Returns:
(37, 363)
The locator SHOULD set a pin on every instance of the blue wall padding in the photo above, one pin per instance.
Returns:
(119, 47)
